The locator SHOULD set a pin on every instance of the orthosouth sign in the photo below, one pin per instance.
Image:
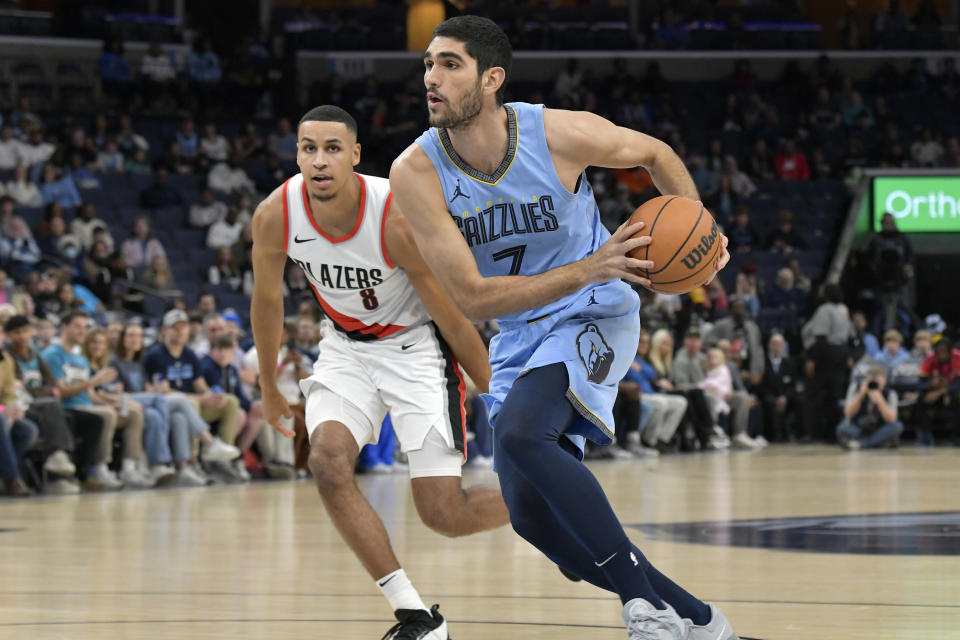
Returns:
(919, 204)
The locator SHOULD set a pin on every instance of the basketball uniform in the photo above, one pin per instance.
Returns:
(521, 220)
(380, 350)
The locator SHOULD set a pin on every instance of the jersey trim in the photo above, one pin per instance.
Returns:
(353, 328)
(513, 134)
(456, 389)
(356, 227)
(286, 219)
(383, 231)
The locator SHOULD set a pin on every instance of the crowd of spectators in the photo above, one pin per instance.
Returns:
(76, 258)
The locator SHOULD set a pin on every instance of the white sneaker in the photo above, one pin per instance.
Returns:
(641, 451)
(218, 450)
(62, 487)
(241, 468)
(619, 453)
(646, 622)
(380, 468)
(717, 629)
(743, 441)
(133, 478)
(188, 477)
(161, 473)
(762, 442)
(718, 443)
(482, 462)
(105, 478)
(59, 463)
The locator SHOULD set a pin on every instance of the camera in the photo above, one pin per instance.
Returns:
(873, 385)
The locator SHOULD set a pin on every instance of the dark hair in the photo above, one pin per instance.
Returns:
(122, 349)
(329, 113)
(223, 342)
(72, 315)
(945, 343)
(485, 42)
(832, 293)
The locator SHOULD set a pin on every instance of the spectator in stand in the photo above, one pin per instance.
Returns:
(569, 83)
(125, 413)
(213, 145)
(138, 163)
(74, 382)
(863, 343)
(17, 436)
(248, 143)
(186, 137)
(61, 190)
(172, 365)
(84, 225)
(225, 231)
(890, 256)
(857, 111)
(951, 157)
(10, 148)
(791, 164)
(22, 190)
(224, 271)
(940, 391)
(140, 248)
(207, 303)
(110, 159)
(870, 414)
(282, 144)
(308, 337)
(229, 177)
(922, 345)
(221, 374)
(704, 178)
(800, 279)
(115, 76)
(825, 116)
(203, 70)
(158, 74)
(206, 210)
(826, 338)
(744, 336)
(158, 275)
(719, 302)
(668, 409)
(760, 163)
(784, 294)
(724, 202)
(740, 182)
(927, 152)
(129, 140)
(785, 238)
(18, 249)
(893, 352)
(616, 209)
(742, 236)
(779, 391)
(160, 194)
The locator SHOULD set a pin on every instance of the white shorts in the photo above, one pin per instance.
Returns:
(412, 375)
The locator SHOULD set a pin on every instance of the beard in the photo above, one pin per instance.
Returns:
(462, 114)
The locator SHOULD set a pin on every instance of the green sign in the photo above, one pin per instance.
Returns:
(928, 204)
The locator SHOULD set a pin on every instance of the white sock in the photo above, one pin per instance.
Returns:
(128, 465)
(397, 589)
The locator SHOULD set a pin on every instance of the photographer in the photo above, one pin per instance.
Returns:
(870, 414)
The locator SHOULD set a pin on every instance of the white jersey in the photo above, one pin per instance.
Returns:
(361, 291)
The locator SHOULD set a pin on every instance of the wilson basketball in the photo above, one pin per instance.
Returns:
(685, 244)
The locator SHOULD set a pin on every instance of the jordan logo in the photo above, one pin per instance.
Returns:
(458, 193)
(593, 298)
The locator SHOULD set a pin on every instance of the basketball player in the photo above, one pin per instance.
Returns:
(380, 351)
(497, 192)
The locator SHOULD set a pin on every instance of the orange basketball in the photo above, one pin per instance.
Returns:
(685, 247)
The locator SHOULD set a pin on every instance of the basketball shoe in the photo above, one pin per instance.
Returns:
(417, 624)
(646, 622)
(717, 629)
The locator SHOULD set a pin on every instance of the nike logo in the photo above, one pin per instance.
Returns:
(298, 239)
(600, 564)
(386, 581)
(407, 346)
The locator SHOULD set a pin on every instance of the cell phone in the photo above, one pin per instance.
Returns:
(873, 384)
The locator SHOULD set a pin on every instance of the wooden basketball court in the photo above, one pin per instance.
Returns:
(263, 561)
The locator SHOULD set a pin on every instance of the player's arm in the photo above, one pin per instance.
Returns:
(580, 139)
(266, 305)
(416, 190)
(457, 330)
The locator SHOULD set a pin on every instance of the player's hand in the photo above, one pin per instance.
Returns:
(275, 407)
(722, 260)
(611, 262)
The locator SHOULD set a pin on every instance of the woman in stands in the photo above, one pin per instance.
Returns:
(184, 421)
(126, 413)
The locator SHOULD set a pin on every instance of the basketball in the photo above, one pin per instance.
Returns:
(685, 243)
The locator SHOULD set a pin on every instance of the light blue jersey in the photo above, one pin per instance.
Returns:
(521, 220)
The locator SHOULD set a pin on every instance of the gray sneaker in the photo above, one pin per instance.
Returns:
(717, 629)
(646, 622)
